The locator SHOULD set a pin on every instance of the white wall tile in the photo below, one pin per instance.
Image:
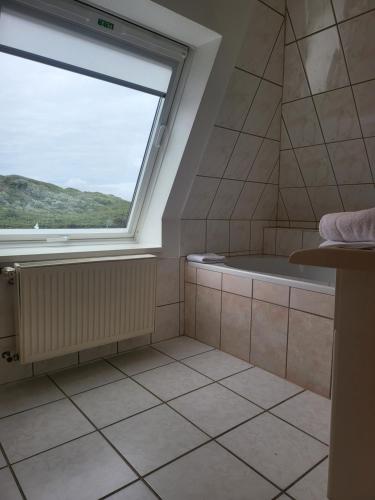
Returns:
(350, 163)
(260, 38)
(201, 197)
(193, 236)
(225, 199)
(217, 236)
(325, 200)
(244, 154)
(248, 200)
(324, 61)
(337, 114)
(302, 123)
(239, 236)
(218, 152)
(265, 161)
(167, 322)
(237, 100)
(263, 108)
(307, 16)
(295, 83)
(358, 39)
(358, 197)
(364, 96)
(297, 204)
(349, 8)
(315, 166)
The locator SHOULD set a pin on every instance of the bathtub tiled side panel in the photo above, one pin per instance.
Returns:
(285, 330)
(235, 325)
(310, 345)
(269, 337)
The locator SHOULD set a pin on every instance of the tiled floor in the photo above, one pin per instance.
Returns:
(177, 421)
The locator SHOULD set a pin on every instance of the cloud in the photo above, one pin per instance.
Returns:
(71, 130)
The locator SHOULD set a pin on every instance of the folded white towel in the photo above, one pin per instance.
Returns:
(345, 244)
(205, 258)
(349, 226)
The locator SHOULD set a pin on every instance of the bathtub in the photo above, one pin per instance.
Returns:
(262, 309)
(278, 270)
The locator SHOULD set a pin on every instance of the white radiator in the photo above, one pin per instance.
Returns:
(66, 306)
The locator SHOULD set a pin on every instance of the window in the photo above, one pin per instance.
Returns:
(84, 101)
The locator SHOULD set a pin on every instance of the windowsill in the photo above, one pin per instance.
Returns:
(25, 253)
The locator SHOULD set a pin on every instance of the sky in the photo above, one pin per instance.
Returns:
(71, 130)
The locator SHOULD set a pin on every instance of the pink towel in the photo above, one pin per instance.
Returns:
(349, 226)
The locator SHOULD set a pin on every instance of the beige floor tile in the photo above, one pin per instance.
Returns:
(83, 469)
(20, 396)
(225, 477)
(8, 487)
(181, 347)
(36, 430)
(309, 412)
(216, 364)
(215, 409)
(314, 485)
(113, 402)
(154, 438)
(274, 448)
(86, 377)
(261, 387)
(140, 360)
(171, 381)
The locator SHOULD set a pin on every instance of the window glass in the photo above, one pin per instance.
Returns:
(71, 147)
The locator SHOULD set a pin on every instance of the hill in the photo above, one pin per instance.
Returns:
(25, 202)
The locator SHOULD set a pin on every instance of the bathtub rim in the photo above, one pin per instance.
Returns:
(313, 286)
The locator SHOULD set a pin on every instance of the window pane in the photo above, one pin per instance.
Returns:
(71, 147)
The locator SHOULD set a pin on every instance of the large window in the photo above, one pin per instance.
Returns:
(84, 100)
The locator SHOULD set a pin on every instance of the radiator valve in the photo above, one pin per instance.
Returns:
(10, 273)
(9, 357)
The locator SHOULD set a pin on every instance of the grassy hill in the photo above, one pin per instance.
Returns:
(25, 202)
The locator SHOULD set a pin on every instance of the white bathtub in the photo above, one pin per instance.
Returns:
(278, 270)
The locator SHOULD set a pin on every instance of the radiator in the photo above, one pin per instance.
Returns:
(67, 306)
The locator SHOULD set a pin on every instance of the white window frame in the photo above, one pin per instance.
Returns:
(86, 18)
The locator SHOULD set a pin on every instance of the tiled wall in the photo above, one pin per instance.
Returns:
(284, 241)
(235, 192)
(327, 162)
(287, 331)
(169, 322)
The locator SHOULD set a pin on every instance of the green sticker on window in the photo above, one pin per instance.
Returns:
(106, 24)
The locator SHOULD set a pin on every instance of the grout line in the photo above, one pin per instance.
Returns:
(258, 76)
(10, 467)
(320, 128)
(16, 462)
(243, 132)
(336, 23)
(261, 79)
(32, 408)
(250, 466)
(105, 438)
(353, 96)
(210, 439)
(305, 474)
(271, 8)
